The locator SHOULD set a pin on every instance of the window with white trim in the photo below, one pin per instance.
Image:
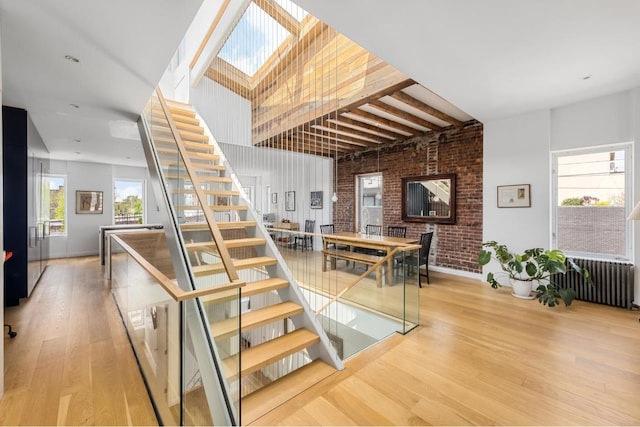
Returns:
(128, 201)
(591, 201)
(53, 206)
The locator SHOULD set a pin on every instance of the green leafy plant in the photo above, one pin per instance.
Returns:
(535, 265)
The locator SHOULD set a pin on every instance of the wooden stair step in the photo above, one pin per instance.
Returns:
(266, 399)
(229, 193)
(231, 243)
(184, 134)
(161, 121)
(254, 319)
(176, 109)
(250, 289)
(163, 140)
(178, 118)
(262, 355)
(222, 225)
(191, 154)
(239, 264)
(197, 166)
(202, 178)
(217, 208)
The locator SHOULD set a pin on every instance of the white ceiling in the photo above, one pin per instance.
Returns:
(499, 58)
(123, 47)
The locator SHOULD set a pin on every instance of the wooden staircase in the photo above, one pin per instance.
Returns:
(248, 254)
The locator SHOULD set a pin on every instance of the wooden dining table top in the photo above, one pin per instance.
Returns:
(364, 238)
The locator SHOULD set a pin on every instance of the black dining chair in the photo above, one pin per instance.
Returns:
(423, 256)
(330, 229)
(373, 230)
(306, 239)
(397, 231)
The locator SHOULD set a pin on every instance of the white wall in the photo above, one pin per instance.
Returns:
(517, 151)
(82, 229)
(227, 114)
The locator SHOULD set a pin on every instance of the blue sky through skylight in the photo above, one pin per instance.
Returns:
(253, 40)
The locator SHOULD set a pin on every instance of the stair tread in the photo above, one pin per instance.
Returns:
(161, 121)
(190, 145)
(178, 118)
(202, 178)
(256, 358)
(261, 261)
(222, 225)
(256, 318)
(230, 243)
(250, 289)
(192, 154)
(280, 391)
(218, 208)
(196, 166)
(208, 192)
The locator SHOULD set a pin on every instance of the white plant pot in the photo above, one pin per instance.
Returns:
(522, 288)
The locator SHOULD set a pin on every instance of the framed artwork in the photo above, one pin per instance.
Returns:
(514, 196)
(274, 198)
(290, 201)
(88, 202)
(316, 200)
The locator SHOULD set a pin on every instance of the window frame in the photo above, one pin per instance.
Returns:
(627, 147)
(144, 197)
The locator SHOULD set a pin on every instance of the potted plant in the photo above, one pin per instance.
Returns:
(535, 266)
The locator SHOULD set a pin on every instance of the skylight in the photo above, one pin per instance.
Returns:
(253, 40)
(293, 9)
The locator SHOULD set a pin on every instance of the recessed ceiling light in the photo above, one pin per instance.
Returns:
(586, 77)
(77, 152)
(128, 157)
(74, 105)
(71, 58)
(76, 140)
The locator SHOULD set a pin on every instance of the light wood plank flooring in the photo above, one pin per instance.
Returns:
(71, 363)
(481, 357)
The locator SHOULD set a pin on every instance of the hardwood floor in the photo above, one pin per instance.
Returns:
(71, 363)
(481, 357)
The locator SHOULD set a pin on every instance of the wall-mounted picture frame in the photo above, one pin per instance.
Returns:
(316, 200)
(274, 198)
(88, 202)
(514, 196)
(290, 201)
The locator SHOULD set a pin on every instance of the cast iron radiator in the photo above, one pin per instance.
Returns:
(612, 282)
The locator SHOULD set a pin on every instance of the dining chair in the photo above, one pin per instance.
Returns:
(373, 230)
(423, 256)
(330, 229)
(307, 239)
(397, 231)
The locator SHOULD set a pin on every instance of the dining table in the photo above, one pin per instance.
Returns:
(384, 244)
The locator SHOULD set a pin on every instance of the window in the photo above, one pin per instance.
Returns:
(53, 207)
(591, 201)
(369, 189)
(128, 201)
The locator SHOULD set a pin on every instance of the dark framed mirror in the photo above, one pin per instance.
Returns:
(429, 198)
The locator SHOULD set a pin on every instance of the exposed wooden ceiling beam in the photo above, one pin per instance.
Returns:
(343, 142)
(385, 122)
(386, 133)
(207, 37)
(353, 132)
(425, 108)
(389, 109)
(229, 76)
(278, 13)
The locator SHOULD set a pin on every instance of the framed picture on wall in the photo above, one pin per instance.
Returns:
(514, 196)
(88, 202)
(290, 201)
(316, 200)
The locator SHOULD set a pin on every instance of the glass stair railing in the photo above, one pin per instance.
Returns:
(216, 242)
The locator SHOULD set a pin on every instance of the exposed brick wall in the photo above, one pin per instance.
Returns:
(453, 150)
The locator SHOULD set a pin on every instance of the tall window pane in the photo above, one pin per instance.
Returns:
(128, 206)
(369, 188)
(53, 207)
(591, 206)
